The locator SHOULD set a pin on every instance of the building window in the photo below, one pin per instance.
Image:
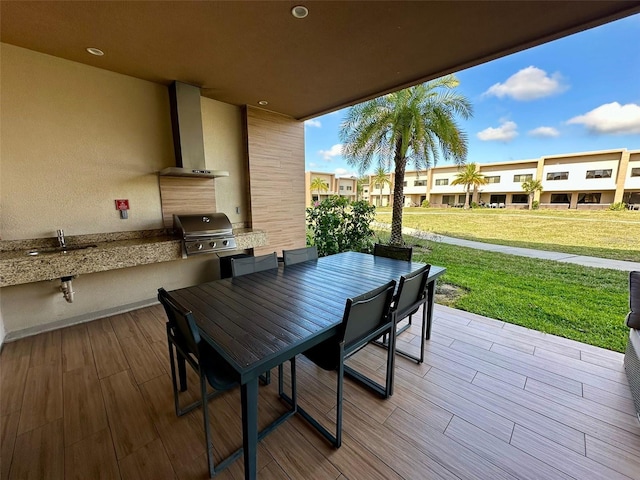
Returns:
(405, 183)
(525, 177)
(519, 198)
(599, 173)
(442, 181)
(366, 190)
(448, 199)
(341, 187)
(349, 188)
(589, 197)
(635, 172)
(495, 179)
(420, 183)
(558, 176)
(498, 198)
(560, 198)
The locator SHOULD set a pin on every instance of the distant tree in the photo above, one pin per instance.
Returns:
(412, 126)
(531, 187)
(319, 185)
(381, 179)
(469, 177)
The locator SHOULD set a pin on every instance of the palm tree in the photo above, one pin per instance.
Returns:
(319, 185)
(469, 177)
(531, 187)
(415, 125)
(381, 179)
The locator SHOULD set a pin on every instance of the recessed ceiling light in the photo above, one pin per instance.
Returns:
(263, 102)
(299, 11)
(95, 51)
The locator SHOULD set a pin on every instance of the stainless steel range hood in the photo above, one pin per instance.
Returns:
(188, 140)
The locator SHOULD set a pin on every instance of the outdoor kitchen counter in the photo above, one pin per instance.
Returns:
(111, 251)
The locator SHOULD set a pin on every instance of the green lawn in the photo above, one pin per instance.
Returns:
(585, 304)
(604, 233)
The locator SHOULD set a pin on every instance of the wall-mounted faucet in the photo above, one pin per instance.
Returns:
(61, 239)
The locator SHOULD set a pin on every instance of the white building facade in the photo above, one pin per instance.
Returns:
(588, 180)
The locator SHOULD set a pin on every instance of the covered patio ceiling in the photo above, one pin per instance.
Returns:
(343, 52)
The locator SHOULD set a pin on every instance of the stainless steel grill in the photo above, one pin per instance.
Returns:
(205, 233)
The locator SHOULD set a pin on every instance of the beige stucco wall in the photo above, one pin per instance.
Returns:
(73, 139)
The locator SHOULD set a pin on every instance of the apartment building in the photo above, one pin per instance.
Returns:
(587, 180)
(334, 185)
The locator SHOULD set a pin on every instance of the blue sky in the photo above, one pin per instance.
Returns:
(579, 93)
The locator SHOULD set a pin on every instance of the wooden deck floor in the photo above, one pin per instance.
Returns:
(491, 401)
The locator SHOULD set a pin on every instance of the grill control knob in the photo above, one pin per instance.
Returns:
(225, 242)
(198, 246)
(212, 244)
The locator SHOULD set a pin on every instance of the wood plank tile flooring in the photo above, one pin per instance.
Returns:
(491, 401)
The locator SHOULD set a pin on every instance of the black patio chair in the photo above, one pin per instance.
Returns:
(397, 253)
(633, 317)
(392, 251)
(365, 317)
(247, 265)
(299, 255)
(412, 294)
(184, 337)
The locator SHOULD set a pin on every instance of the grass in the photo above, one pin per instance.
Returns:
(585, 304)
(605, 234)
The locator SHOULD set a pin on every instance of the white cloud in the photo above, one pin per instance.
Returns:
(611, 118)
(343, 172)
(313, 165)
(334, 151)
(528, 84)
(312, 123)
(544, 132)
(505, 132)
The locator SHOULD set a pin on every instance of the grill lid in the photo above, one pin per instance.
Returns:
(202, 225)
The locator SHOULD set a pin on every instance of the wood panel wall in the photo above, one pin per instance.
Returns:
(275, 148)
(182, 195)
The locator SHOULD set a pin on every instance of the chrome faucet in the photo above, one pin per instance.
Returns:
(61, 239)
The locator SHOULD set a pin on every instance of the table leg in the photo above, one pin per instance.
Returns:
(249, 394)
(431, 292)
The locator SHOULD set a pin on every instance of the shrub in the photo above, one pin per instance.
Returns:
(474, 205)
(618, 206)
(336, 225)
(425, 204)
(535, 205)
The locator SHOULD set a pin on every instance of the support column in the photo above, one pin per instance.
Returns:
(623, 166)
(539, 173)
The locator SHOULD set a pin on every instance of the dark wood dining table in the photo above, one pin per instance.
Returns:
(258, 321)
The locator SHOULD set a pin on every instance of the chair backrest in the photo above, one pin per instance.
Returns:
(633, 319)
(391, 251)
(299, 255)
(181, 322)
(244, 266)
(411, 290)
(365, 313)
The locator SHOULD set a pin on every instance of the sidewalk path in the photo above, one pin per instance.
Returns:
(523, 252)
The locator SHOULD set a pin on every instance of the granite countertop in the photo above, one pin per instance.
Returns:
(111, 251)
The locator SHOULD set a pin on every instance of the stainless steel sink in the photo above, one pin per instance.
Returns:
(50, 250)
